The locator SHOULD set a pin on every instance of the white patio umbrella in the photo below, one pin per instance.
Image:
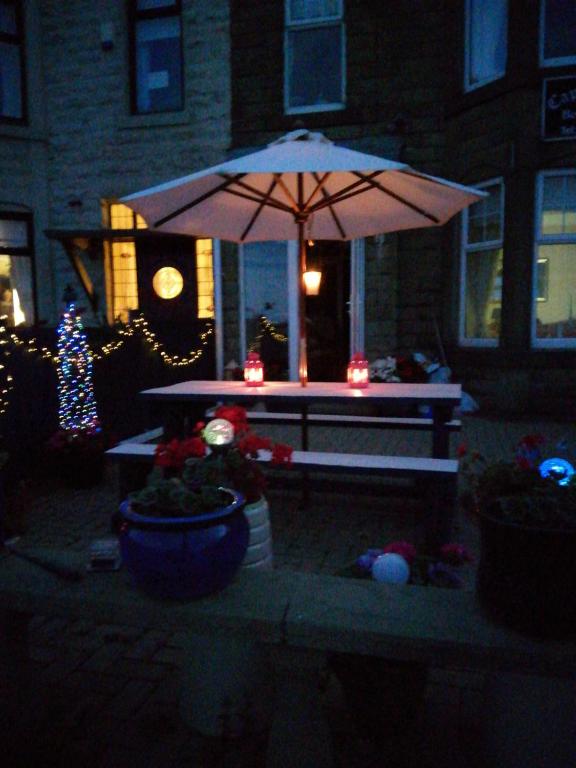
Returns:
(301, 186)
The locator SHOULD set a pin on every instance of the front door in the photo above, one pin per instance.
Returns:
(328, 313)
(167, 289)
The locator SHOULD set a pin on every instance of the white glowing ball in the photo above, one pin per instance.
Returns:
(219, 432)
(391, 569)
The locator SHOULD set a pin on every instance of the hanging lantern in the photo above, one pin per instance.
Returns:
(312, 278)
(358, 375)
(253, 370)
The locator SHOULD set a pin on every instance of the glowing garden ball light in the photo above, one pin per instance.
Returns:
(557, 469)
(219, 432)
(391, 569)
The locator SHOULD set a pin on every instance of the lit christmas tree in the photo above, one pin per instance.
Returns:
(77, 404)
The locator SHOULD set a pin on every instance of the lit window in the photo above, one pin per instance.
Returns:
(557, 32)
(481, 268)
(12, 102)
(121, 272)
(486, 41)
(156, 46)
(314, 56)
(554, 281)
(16, 269)
(205, 278)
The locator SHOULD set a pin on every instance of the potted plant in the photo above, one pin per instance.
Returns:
(78, 455)
(232, 464)
(527, 515)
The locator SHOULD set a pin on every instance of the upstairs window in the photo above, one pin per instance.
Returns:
(486, 41)
(557, 32)
(314, 56)
(12, 101)
(554, 272)
(156, 56)
(17, 300)
(481, 268)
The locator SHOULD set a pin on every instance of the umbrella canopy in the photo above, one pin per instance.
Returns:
(301, 186)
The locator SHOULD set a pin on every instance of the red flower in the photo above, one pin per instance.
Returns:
(462, 450)
(281, 454)
(403, 548)
(455, 554)
(532, 441)
(236, 415)
(250, 444)
(193, 446)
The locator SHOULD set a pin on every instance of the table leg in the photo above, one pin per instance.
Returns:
(440, 432)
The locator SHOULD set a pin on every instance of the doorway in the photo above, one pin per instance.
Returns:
(328, 313)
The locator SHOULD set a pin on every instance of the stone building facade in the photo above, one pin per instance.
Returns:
(481, 93)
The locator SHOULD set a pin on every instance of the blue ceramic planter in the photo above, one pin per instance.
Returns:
(184, 558)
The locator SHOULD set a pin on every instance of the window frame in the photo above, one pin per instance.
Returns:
(151, 14)
(25, 252)
(18, 39)
(316, 23)
(541, 239)
(469, 86)
(562, 61)
(465, 249)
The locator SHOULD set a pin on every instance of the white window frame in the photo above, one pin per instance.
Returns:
(465, 249)
(469, 86)
(560, 61)
(314, 23)
(540, 239)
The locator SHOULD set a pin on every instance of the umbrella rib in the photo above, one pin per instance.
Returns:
(295, 207)
(198, 200)
(272, 201)
(261, 198)
(344, 193)
(319, 186)
(258, 210)
(412, 206)
(330, 208)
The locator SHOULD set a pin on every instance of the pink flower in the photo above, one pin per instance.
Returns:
(403, 548)
(455, 554)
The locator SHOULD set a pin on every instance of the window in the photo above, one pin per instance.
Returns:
(205, 278)
(156, 56)
(481, 268)
(486, 41)
(120, 260)
(12, 101)
(554, 282)
(314, 56)
(557, 32)
(17, 300)
(264, 305)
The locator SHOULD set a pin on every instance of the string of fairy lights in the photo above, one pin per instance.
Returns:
(9, 341)
(265, 326)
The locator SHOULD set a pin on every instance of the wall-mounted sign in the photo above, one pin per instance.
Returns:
(559, 108)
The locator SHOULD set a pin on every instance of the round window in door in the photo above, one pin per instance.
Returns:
(168, 283)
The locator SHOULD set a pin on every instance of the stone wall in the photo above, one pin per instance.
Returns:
(92, 148)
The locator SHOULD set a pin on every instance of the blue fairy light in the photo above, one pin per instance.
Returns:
(559, 470)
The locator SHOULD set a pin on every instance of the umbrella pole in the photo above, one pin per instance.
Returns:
(302, 357)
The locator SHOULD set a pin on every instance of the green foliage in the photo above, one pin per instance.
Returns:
(174, 497)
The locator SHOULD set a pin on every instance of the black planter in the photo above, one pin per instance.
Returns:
(527, 576)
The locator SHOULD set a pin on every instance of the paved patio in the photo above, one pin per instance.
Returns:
(107, 696)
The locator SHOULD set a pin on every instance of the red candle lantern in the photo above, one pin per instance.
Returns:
(358, 375)
(253, 370)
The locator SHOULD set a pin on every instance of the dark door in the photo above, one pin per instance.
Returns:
(167, 289)
(328, 314)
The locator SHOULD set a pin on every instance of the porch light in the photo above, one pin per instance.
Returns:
(253, 370)
(358, 376)
(312, 280)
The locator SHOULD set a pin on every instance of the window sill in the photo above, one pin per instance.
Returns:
(156, 120)
(314, 108)
(22, 132)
